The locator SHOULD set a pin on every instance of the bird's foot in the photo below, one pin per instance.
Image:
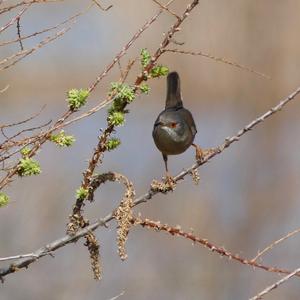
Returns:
(170, 181)
(210, 151)
(168, 184)
(195, 176)
(199, 153)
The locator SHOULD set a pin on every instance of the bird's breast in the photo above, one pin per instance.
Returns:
(172, 141)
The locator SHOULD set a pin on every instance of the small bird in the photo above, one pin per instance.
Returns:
(174, 129)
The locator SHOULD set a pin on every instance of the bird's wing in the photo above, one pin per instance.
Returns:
(187, 116)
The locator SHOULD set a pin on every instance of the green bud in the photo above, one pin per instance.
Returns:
(122, 92)
(145, 57)
(4, 199)
(145, 89)
(62, 140)
(159, 71)
(28, 166)
(25, 151)
(77, 98)
(112, 144)
(116, 118)
(81, 193)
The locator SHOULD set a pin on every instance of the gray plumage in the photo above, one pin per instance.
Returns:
(174, 129)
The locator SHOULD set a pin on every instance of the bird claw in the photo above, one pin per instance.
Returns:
(170, 181)
(199, 154)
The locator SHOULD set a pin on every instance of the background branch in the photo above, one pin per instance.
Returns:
(275, 285)
(273, 244)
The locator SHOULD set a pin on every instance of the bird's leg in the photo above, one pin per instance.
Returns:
(199, 152)
(165, 157)
(169, 178)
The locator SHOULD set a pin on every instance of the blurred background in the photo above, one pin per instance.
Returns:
(247, 197)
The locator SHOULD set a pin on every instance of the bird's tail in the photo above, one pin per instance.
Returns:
(173, 91)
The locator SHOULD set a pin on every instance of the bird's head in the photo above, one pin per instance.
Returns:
(169, 122)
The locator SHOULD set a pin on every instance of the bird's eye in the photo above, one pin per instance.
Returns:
(173, 124)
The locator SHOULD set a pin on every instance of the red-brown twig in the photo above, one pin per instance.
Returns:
(176, 231)
(219, 59)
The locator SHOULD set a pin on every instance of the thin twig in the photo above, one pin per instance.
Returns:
(275, 285)
(24, 121)
(118, 296)
(123, 52)
(219, 59)
(24, 53)
(10, 139)
(15, 18)
(4, 89)
(19, 34)
(268, 248)
(26, 2)
(165, 7)
(69, 19)
(101, 7)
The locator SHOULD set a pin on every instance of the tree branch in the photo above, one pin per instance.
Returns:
(67, 239)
